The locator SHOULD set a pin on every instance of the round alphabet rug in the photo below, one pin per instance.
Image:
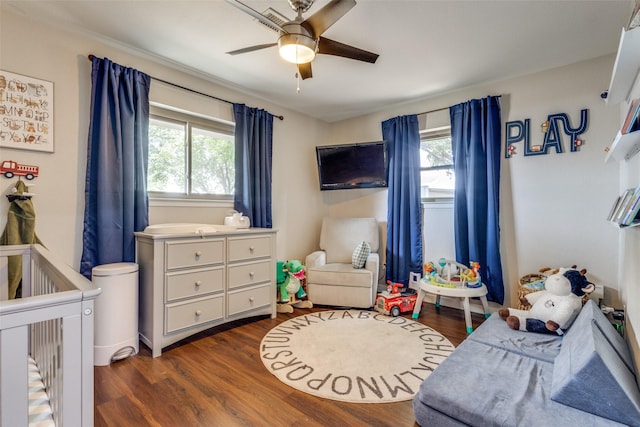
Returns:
(354, 355)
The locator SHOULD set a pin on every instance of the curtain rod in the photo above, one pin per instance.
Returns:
(440, 109)
(191, 90)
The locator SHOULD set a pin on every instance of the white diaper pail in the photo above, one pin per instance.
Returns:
(116, 312)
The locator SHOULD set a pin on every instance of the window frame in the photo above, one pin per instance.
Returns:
(190, 120)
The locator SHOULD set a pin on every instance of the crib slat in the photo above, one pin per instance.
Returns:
(4, 278)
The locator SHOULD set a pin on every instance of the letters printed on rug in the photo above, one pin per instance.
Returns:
(334, 354)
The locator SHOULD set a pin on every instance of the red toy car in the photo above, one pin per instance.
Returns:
(396, 300)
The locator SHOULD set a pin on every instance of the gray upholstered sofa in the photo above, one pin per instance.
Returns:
(502, 377)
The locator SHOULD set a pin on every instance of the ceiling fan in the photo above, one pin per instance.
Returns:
(301, 39)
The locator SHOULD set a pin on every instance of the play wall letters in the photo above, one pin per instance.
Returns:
(556, 124)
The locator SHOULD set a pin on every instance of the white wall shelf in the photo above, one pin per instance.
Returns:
(626, 66)
(623, 147)
(624, 227)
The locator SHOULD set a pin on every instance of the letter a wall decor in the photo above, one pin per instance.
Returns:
(552, 129)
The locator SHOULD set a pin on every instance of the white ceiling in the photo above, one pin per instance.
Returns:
(426, 47)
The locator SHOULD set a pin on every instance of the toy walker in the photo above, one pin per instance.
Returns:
(452, 274)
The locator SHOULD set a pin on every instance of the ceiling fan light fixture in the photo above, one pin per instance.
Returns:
(297, 48)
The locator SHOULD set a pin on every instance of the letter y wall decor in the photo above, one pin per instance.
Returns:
(553, 128)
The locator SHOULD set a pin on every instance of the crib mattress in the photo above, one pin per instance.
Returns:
(40, 414)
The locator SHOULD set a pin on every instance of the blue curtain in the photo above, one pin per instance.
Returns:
(116, 201)
(404, 213)
(254, 140)
(475, 138)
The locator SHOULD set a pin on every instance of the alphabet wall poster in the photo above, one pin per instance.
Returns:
(26, 112)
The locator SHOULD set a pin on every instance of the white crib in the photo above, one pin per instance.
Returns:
(53, 324)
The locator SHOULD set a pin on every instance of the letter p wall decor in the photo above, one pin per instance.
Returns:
(553, 128)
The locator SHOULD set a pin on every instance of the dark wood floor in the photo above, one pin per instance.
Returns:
(216, 378)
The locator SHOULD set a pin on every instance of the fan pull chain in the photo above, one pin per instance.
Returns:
(297, 82)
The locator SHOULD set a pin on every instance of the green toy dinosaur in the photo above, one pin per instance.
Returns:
(285, 272)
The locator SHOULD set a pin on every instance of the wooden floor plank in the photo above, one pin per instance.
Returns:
(216, 378)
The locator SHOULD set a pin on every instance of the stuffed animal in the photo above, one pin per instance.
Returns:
(290, 277)
(554, 309)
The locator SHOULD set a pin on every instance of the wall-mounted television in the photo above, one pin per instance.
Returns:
(361, 165)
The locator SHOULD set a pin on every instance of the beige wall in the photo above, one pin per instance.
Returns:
(552, 207)
(61, 57)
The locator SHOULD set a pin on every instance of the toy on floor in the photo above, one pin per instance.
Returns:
(554, 309)
(452, 274)
(291, 282)
(396, 299)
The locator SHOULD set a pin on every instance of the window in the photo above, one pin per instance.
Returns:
(437, 178)
(190, 156)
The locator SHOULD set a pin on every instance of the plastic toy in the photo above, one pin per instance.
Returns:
(554, 309)
(451, 274)
(396, 299)
(290, 277)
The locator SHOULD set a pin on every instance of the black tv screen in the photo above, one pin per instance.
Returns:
(362, 165)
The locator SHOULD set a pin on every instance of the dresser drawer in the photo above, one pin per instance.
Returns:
(192, 253)
(246, 248)
(183, 315)
(249, 298)
(250, 273)
(190, 283)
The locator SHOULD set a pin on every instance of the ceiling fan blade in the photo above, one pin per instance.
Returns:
(332, 47)
(327, 16)
(305, 70)
(257, 15)
(251, 48)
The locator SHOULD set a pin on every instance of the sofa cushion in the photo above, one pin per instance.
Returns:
(340, 275)
(591, 313)
(360, 254)
(483, 385)
(495, 332)
(591, 374)
(340, 235)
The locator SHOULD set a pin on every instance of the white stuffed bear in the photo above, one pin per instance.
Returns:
(554, 309)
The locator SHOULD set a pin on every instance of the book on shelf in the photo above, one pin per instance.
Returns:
(632, 120)
(631, 213)
(626, 208)
(626, 196)
(634, 21)
(614, 208)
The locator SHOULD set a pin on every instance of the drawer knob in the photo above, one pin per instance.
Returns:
(251, 248)
(251, 273)
(198, 312)
(198, 253)
(251, 299)
(198, 283)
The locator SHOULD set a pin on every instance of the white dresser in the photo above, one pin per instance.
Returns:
(189, 283)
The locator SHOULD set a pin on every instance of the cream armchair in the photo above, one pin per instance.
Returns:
(331, 277)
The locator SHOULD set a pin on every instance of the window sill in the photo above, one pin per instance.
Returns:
(180, 202)
(437, 200)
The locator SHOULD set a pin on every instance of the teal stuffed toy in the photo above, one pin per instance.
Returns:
(288, 276)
